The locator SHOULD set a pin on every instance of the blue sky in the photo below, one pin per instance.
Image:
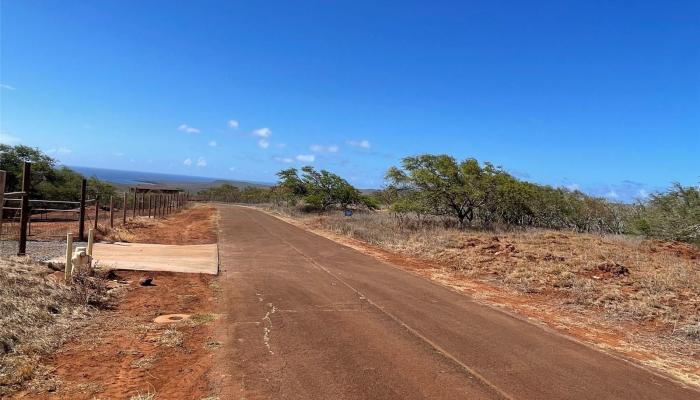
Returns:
(598, 95)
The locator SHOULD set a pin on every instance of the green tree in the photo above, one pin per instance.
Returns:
(324, 189)
(12, 159)
(290, 187)
(672, 215)
(320, 189)
(456, 189)
(48, 182)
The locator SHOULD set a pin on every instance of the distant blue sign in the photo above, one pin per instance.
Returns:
(348, 213)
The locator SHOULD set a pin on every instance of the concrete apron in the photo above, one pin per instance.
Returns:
(200, 258)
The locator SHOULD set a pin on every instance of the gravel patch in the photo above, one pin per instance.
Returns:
(37, 251)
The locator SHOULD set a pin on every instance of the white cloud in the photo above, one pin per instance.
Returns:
(318, 148)
(262, 132)
(201, 162)
(60, 150)
(642, 194)
(212, 143)
(187, 162)
(306, 157)
(284, 159)
(187, 129)
(233, 124)
(6, 138)
(364, 143)
(8, 87)
(263, 143)
(612, 195)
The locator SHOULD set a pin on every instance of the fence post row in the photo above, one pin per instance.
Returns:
(2, 197)
(24, 217)
(81, 226)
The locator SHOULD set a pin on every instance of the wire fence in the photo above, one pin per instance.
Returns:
(51, 220)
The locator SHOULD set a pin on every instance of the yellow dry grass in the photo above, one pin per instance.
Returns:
(37, 314)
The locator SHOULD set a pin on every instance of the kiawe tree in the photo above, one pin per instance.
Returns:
(454, 188)
(321, 189)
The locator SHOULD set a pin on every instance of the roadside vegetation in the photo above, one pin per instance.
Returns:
(37, 314)
(48, 181)
(479, 196)
(312, 191)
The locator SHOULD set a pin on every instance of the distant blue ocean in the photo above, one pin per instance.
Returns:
(135, 177)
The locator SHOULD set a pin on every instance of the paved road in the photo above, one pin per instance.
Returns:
(307, 318)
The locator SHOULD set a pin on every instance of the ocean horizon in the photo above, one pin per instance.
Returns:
(124, 177)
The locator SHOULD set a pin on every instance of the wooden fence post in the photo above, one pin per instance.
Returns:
(124, 210)
(97, 212)
(2, 197)
(24, 217)
(133, 211)
(111, 212)
(150, 199)
(81, 227)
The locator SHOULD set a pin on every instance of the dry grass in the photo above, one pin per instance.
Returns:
(127, 232)
(624, 278)
(171, 337)
(143, 396)
(37, 314)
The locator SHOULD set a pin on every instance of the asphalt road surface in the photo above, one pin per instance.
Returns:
(307, 318)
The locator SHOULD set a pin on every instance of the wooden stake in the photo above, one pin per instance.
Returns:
(69, 253)
(133, 211)
(91, 242)
(91, 239)
(97, 212)
(124, 210)
(111, 212)
(81, 222)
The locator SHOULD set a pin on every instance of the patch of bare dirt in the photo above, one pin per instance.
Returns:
(195, 225)
(123, 353)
